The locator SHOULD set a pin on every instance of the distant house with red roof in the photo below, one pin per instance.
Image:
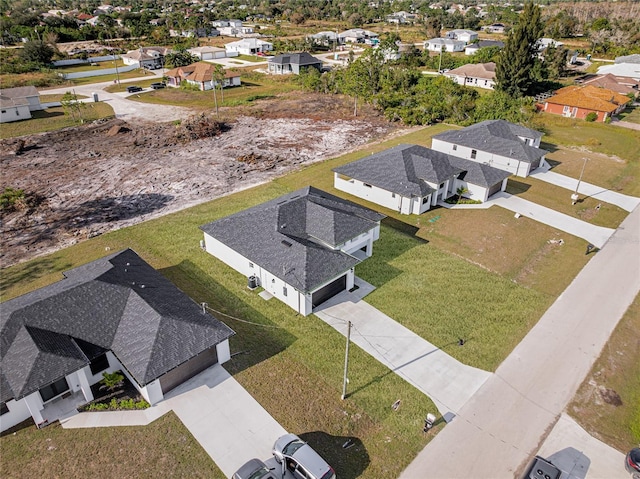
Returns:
(579, 101)
(200, 74)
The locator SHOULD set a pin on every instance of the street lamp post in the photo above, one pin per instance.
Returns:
(574, 196)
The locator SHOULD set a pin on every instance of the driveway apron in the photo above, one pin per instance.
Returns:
(448, 382)
(596, 235)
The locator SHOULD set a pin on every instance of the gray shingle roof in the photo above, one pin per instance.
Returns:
(405, 169)
(294, 236)
(498, 137)
(301, 59)
(118, 303)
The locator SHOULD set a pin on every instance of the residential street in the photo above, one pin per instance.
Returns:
(504, 424)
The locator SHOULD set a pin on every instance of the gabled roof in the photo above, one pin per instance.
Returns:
(198, 72)
(406, 169)
(589, 97)
(635, 58)
(18, 93)
(499, 137)
(485, 44)
(294, 236)
(302, 59)
(612, 83)
(475, 70)
(117, 303)
(444, 41)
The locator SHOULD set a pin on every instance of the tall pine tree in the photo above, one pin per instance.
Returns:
(515, 65)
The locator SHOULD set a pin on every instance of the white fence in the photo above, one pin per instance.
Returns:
(79, 61)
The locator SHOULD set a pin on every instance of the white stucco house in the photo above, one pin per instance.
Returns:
(17, 103)
(113, 314)
(200, 75)
(358, 35)
(444, 45)
(466, 36)
(481, 75)
(208, 53)
(411, 179)
(302, 248)
(248, 46)
(496, 143)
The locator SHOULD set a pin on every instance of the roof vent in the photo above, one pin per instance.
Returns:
(287, 244)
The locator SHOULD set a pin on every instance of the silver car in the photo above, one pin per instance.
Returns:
(298, 457)
(254, 469)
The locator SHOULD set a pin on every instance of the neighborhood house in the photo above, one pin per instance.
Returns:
(247, 46)
(113, 314)
(146, 57)
(411, 179)
(481, 75)
(444, 45)
(579, 101)
(301, 248)
(496, 143)
(200, 74)
(18, 103)
(292, 63)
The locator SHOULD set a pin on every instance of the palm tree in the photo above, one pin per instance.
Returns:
(461, 191)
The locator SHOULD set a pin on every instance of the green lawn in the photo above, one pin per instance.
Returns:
(52, 97)
(607, 404)
(53, 119)
(165, 448)
(251, 58)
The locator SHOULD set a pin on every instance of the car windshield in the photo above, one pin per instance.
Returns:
(260, 473)
(292, 447)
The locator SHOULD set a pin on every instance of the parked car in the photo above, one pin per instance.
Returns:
(632, 462)
(133, 88)
(299, 458)
(254, 469)
(542, 469)
(157, 86)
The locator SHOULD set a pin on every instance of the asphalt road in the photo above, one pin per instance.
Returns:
(503, 425)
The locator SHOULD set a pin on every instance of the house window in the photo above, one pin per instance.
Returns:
(52, 390)
(250, 265)
(284, 291)
(99, 364)
(367, 185)
(4, 111)
(455, 147)
(3, 409)
(425, 199)
(566, 109)
(474, 153)
(393, 195)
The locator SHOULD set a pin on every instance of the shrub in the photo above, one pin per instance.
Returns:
(593, 116)
(112, 381)
(11, 199)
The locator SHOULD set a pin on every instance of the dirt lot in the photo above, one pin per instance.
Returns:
(81, 182)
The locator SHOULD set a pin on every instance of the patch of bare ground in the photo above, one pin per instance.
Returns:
(104, 176)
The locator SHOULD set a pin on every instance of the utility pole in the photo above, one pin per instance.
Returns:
(115, 63)
(574, 196)
(346, 362)
(440, 62)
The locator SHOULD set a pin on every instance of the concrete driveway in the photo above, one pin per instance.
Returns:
(503, 425)
(596, 235)
(578, 455)
(625, 202)
(223, 417)
(448, 382)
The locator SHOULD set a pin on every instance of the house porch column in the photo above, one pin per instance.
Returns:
(84, 384)
(34, 404)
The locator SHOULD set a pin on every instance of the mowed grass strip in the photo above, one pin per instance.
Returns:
(54, 118)
(164, 448)
(607, 404)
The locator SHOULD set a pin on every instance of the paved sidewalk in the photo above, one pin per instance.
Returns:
(596, 235)
(447, 381)
(500, 428)
(223, 417)
(579, 455)
(625, 202)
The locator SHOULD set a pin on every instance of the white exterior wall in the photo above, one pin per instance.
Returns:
(15, 113)
(34, 103)
(515, 167)
(531, 141)
(404, 205)
(18, 412)
(472, 81)
(475, 192)
(223, 351)
(152, 392)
